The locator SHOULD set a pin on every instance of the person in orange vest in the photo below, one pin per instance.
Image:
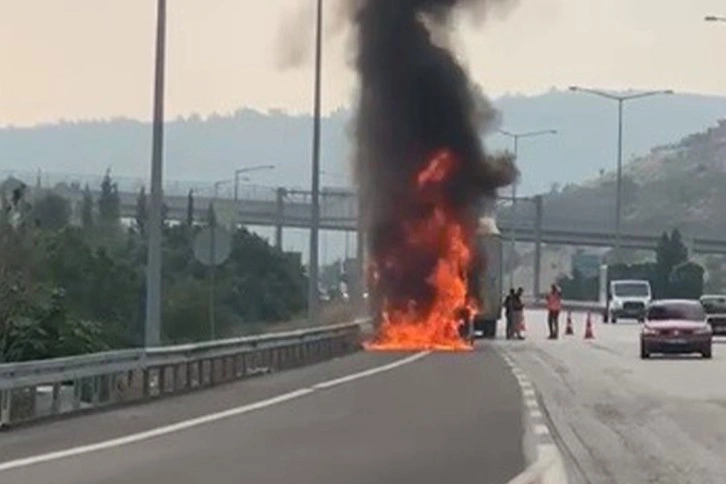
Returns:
(554, 306)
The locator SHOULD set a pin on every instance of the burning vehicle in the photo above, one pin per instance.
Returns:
(424, 176)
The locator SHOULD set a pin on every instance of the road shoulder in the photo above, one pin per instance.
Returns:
(88, 429)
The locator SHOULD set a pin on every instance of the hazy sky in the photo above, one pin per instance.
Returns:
(93, 58)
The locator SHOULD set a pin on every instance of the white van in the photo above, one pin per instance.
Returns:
(627, 299)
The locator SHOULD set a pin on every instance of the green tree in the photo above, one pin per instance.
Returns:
(87, 209)
(142, 211)
(714, 267)
(264, 286)
(109, 202)
(4, 211)
(99, 284)
(190, 208)
(679, 251)
(686, 280)
(663, 266)
(35, 325)
(211, 216)
(670, 253)
(19, 209)
(51, 212)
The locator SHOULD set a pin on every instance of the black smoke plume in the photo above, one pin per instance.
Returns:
(416, 99)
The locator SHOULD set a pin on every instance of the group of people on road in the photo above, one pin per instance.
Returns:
(514, 312)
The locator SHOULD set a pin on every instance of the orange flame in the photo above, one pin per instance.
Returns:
(438, 328)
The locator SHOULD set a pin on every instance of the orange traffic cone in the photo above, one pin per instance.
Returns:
(589, 334)
(568, 329)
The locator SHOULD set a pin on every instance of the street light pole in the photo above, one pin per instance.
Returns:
(152, 333)
(621, 100)
(240, 171)
(313, 296)
(513, 241)
(513, 233)
(619, 183)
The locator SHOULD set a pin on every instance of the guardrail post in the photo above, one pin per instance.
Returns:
(146, 382)
(228, 368)
(5, 406)
(95, 390)
(205, 377)
(77, 393)
(162, 379)
(237, 366)
(298, 355)
(129, 385)
(55, 399)
(190, 374)
(212, 371)
(268, 359)
(178, 377)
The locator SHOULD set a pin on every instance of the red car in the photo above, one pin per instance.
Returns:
(675, 326)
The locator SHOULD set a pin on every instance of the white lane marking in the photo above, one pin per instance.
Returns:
(206, 419)
(367, 373)
(548, 467)
(526, 385)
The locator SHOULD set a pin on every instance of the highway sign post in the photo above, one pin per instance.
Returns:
(212, 247)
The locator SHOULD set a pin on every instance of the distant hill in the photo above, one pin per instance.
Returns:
(211, 148)
(678, 185)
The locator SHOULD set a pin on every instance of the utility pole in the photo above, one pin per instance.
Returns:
(152, 336)
(313, 296)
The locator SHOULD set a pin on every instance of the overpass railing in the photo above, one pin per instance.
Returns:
(35, 390)
(594, 307)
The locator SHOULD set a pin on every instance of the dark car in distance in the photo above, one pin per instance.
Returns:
(715, 307)
(675, 326)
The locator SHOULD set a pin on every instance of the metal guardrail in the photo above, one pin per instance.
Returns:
(36, 390)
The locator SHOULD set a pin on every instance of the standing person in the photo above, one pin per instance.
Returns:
(554, 306)
(509, 312)
(518, 312)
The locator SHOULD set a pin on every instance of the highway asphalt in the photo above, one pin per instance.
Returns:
(438, 418)
(618, 419)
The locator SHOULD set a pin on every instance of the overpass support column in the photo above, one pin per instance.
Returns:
(537, 245)
(279, 216)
